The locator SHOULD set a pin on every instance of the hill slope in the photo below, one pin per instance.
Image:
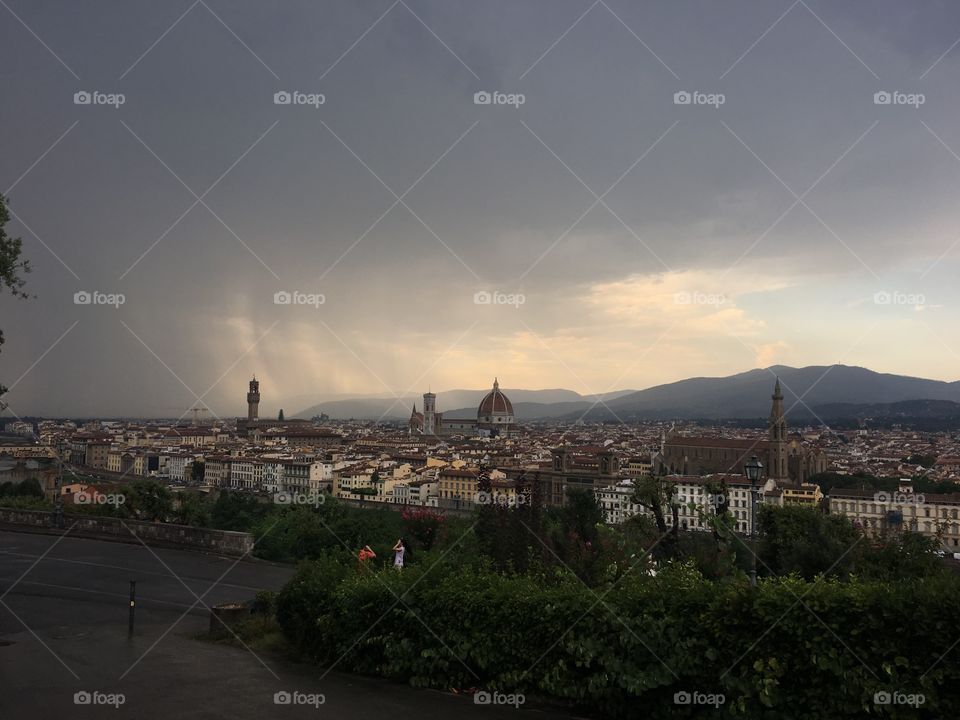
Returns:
(744, 395)
(747, 394)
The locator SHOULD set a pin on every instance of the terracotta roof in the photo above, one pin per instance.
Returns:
(717, 442)
(452, 472)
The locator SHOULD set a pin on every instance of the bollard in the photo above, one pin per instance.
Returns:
(133, 605)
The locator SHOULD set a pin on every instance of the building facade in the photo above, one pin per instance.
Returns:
(785, 459)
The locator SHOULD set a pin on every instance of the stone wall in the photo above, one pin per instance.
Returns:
(107, 528)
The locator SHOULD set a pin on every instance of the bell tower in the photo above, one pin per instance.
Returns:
(253, 399)
(429, 413)
(778, 436)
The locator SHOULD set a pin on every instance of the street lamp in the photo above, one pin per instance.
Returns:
(753, 470)
(58, 494)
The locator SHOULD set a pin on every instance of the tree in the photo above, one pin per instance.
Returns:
(805, 541)
(25, 488)
(509, 536)
(237, 511)
(280, 415)
(12, 266)
(192, 509)
(151, 500)
(655, 494)
(423, 525)
(197, 471)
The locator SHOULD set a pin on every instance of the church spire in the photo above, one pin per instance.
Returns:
(778, 435)
(776, 411)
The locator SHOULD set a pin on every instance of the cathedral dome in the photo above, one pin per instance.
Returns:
(495, 403)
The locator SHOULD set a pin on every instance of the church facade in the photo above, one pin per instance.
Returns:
(785, 458)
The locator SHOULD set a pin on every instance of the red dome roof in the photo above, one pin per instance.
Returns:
(495, 403)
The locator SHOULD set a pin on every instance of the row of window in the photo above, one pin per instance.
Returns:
(856, 508)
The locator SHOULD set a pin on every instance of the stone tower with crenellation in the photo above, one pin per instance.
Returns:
(253, 400)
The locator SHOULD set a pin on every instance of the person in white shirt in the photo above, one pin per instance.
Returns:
(398, 552)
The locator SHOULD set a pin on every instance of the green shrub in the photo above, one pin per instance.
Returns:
(789, 649)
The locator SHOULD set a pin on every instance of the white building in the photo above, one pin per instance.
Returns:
(936, 515)
(695, 497)
(246, 473)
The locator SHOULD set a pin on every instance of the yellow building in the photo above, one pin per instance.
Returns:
(807, 494)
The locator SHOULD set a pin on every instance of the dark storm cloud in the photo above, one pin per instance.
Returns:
(490, 197)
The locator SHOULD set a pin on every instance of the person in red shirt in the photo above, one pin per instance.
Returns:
(364, 557)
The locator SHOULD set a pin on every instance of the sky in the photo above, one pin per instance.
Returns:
(654, 191)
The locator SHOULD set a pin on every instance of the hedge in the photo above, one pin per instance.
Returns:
(788, 649)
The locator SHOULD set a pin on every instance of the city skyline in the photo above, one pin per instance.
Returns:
(774, 189)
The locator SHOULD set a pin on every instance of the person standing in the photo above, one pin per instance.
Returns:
(364, 558)
(399, 550)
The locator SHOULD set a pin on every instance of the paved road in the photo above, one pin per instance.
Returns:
(63, 629)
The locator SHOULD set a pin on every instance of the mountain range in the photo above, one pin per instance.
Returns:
(809, 392)
(528, 404)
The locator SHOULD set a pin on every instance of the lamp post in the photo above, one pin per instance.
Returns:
(753, 470)
(58, 494)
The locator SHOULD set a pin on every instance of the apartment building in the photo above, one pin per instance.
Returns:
(936, 515)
